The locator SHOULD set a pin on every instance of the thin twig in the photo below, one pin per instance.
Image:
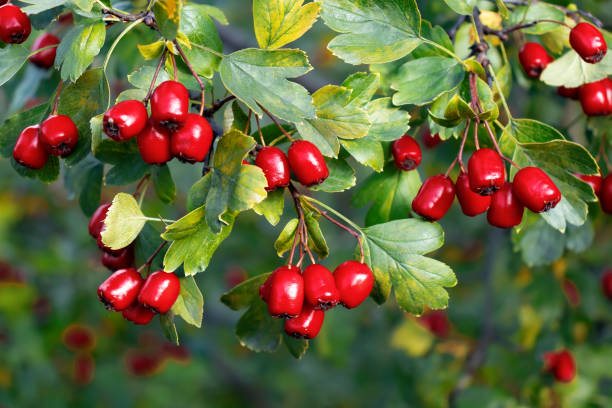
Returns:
(263, 142)
(287, 135)
(476, 142)
(451, 167)
(494, 140)
(248, 124)
(193, 72)
(218, 104)
(150, 259)
(162, 58)
(463, 139)
(57, 97)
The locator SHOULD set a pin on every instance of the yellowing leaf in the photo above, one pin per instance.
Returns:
(491, 19)
(151, 51)
(123, 222)
(411, 338)
(183, 39)
(279, 22)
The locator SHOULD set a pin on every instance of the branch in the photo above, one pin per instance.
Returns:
(480, 48)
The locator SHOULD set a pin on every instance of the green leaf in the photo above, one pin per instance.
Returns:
(78, 49)
(85, 5)
(363, 87)
(285, 239)
(366, 151)
(147, 242)
(279, 22)
(374, 31)
(123, 222)
(388, 122)
(168, 327)
(534, 12)
(163, 184)
(200, 30)
(394, 250)
(539, 243)
(234, 118)
(91, 189)
(423, 80)
(48, 174)
(216, 13)
(571, 71)
(261, 76)
(257, 330)
(141, 78)
(316, 240)
(272, 206)
(297, 347)
(490, 110)
(190, 302)
(447, 110)
(14, 125)
(168, 16)
(95, 127)
(38, 6)
(152, 50)
(462, 6)
(436, 34)
(13, 58)
(341, 177)
(244, 294)
(580, 238)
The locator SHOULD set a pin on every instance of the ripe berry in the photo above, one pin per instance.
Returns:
(191, 142)
(28, 150)
(436, 322)
(306, 325)
(264, 289)
(59, 135)
(83, 369)
(154, 145)
(170, 105)
(125, 259)
(534, 58)
(535, 189)
(120, 290)
(506, 211)
(138, 314)
(561, 364)
(307, 163)
(606, 283)
(354, 281)
(160, 291)
(434, 198)
(406, 153)
(15, 26)
(588, 42)
(596, 98)
(46, 58)
(486, 172)
(471, 203)
(593, 181)
(286, 292)
(605, 195)
(125, 120)
(320, 287)
(77, 337)
(430, 141)
(572, 93)
(141, 363)
(275, 167)
(96, 222)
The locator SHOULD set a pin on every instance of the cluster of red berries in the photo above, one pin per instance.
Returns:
(589, 43)
(560, 364)
(303, 297)
(602, 186)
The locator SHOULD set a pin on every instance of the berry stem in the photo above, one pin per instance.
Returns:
(287, 135)
(153, 255)
(263, 142)
(162, 58)
(57, 97)
(175, 77)
(218, 104)
(476, 142)
(463, 139)
(494, 140)
(303, 231)
(248, 124)
(451, 167)
(139, 187)
(195, 74)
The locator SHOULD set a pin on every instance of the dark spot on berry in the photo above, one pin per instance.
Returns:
(488, 190)
(108, 305)
(299, 336)
(63, 149)
(171, 125)
(408, 164)
(111, 129)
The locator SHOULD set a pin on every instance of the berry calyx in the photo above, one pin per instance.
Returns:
(160, 291)
(486, 172)
(28, 150)
(606, 283)
(320, 287)
(191, 143)
(59, 135)
(120, 290)
(307, 163)
(96, 222)
(286, 292)
(471, 203)
(596, 98)
(124, 259)
(593, 181)
(154, 145)
(354, 280)
(170, 105)
(406, 153)
(434, 198)
(506, 210)
(605, 194)
(125, 120)
(306, 325)
(275, 167)
(534, 58)
(561, 364)
(15, 25)
(588, 42)
(46, 58)
(138, 314)
(535, 189)
(571, 93)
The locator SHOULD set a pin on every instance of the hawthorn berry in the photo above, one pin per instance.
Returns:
(307, 163)
(605, 194)
(275, 167)
(77, 337)
(264, 289)
(141, 363)
(406, 153)
(534, 58)
(15, 25)
(83, 369)
(354, 280)
(170, 105)
(506, 210)
(593, 181)
(561, 364)
(160, 291)
(535, 189)
(606, 283)
(28, 150)
(96, 222)
(286, 292)
(471, 203)
(306, 325)
(571, 93)
(59, 135)
(138, 314)
(596, 98)
(436, 322)
(431, 141)
(125, 259)
(588, 42)
(46, 58)
(434, 198)
(125, 120)
(486, 171)
(154, 145)
(121, 289)
(320, 287)
(192, 141)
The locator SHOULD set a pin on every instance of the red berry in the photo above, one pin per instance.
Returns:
(605, 195)
(28, 150)
(46, 58)
(125, 259)
(286, 292)
(170, 105)
(275, 167)
(354, 281)
(160, 291)
(307, 163)
(430, 141)
(96, 222)
(561, 364)
(471, 203)
(486, 172)
(434, 198)
(436, 322)
(606, 283)
(306, 325)
(154, 145)
(77, 337)
(105, 248)
(593, 181)
(506, 211)
(588, 42)
(176, 353)
(15, 26)
(120, 290)
(138, 314)
(191, 142)
(320, 287)
(142, 363)
(535, 189)
(125, 120)
(406, 153)
(264, 289)
(59, 135)
(534, 58)
(596, 98)
(572, 93)
(83, 369)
